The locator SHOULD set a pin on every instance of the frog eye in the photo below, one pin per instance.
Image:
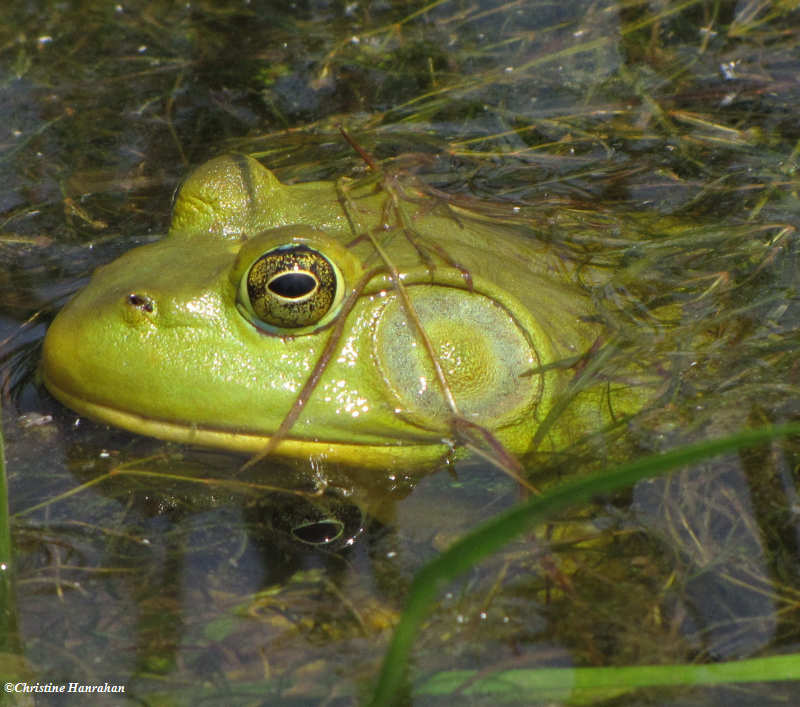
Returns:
(319, 532)
(290, 287)
(329, 522)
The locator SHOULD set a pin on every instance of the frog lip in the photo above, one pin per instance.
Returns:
(369, 456)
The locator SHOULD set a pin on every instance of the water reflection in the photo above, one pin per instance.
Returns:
(163, 575)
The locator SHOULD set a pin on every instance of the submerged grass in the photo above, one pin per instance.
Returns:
(6, 609)
(490, 537)
(590, 685)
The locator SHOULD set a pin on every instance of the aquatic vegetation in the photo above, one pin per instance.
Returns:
(657, 143)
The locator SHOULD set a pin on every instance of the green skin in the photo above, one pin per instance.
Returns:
(162, 341)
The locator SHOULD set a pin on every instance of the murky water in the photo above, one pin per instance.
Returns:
(660, 140)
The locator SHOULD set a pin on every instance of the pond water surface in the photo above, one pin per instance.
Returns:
(659, 140)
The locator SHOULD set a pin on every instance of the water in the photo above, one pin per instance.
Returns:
(661, 140)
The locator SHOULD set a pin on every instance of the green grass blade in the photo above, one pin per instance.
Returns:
(13, 666)
(5, 552)
(492, 535)
(566, 683)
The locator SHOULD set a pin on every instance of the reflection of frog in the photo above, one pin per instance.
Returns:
(209, 336)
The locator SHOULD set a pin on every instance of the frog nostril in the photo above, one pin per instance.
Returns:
(142, 302)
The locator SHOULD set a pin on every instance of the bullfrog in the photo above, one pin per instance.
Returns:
(366, 323)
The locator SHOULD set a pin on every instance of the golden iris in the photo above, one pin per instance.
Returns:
(291, 286)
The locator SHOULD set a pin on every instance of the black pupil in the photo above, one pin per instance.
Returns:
(292, 285)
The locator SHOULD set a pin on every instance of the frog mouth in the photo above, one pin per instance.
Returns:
(363, 455)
